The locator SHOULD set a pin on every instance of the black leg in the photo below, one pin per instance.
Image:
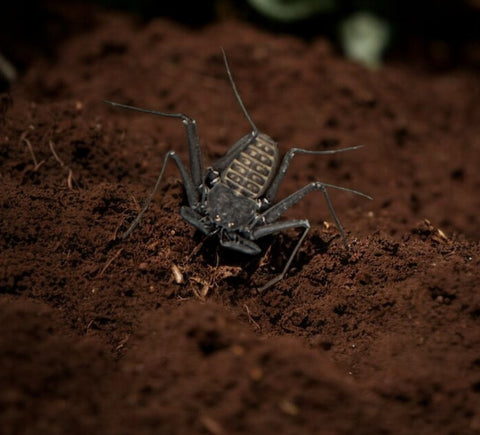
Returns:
(197, 220)
(282, 170)
(192, 194)
(196, 162)
(233, 153)
(239, 243)
(275, 228)
(274, 212)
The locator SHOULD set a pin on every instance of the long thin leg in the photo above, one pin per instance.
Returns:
(237, 95)
(274, 228)
(274, 212)
(233, 152)
(239, 243)
(282, 170)
(196, 162)
(192, 194)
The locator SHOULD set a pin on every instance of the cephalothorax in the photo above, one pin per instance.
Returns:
(234, 197)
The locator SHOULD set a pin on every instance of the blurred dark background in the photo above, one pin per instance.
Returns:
(436, 34)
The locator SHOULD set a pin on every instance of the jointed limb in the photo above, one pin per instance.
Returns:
(282, 170)
(192, 194)
(275, 228)
(274, 212)
(232, 153)
(196, 161)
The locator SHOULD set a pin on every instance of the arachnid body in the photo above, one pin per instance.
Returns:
(234, 197)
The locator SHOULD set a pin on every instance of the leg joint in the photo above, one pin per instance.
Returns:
(318, 185)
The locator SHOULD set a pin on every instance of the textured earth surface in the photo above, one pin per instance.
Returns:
(165, 332)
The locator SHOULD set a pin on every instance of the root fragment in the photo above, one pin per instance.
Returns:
(70, 179)
(110, 261)
(252, 320)
(36, 163)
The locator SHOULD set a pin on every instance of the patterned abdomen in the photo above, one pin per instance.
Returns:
(251, 172)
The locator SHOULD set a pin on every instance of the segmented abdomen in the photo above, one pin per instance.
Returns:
(251, 172)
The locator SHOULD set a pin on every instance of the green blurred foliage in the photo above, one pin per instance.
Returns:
(292, 10)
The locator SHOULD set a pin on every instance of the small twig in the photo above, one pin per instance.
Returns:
(70, 178)
(32, 153)
(250, 317)
(200, 294)
(123, 342)
(135, 202)
(109, 262)
(266, 257)
(212, 426)
(115, 232)
(58, 159)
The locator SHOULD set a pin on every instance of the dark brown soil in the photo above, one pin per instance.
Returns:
(98, 336)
